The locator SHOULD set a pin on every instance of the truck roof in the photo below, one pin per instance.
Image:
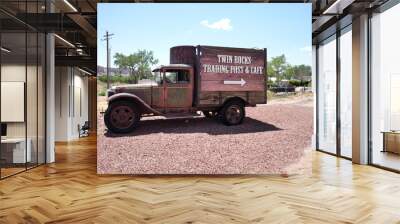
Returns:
(240, 49)
(172, 66)
(221, 47)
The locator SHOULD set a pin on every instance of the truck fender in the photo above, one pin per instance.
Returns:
(143, 106)
(236, 98)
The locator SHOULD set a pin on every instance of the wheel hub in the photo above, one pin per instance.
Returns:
(233, 114)
(122, 116)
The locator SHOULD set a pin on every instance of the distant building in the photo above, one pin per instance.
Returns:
(113, 71)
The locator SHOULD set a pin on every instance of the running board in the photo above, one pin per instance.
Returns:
(180, 115)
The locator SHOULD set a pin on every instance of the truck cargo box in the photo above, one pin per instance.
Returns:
(224, 72)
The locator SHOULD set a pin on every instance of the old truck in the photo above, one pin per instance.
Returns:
(217, 81)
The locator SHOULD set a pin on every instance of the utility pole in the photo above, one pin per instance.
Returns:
(107, 37)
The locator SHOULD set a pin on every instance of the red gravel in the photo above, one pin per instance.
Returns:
(271, 138)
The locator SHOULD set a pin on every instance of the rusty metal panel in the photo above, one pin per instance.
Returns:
(231, 69)
(214, 98)
(257, 97)
(209, 98)
(143, 93)
(178, 97)
(183, 55)
(217, 98)
(157, 97)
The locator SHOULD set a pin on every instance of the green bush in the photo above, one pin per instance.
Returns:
(117, 79)
(102, 93)
(271, 84)
(298, 83)
(102, 78)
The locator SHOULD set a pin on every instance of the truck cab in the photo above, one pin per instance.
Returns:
(174, 90)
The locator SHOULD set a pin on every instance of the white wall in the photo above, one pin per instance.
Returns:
(33, 126)
(71, 94)
(62, 81)
(79, 110)
(17, 73)
(14, 72)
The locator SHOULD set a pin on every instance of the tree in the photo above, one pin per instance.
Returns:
(121, 61)
(137, 63)
(146, 60)
(133, 64)
(302, 72)
(277, 67)
(125, 62)
(289, 72)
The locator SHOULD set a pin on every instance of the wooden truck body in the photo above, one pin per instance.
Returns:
(222, 73)
(215, 80)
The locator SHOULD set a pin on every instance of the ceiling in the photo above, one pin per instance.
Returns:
(330, 15)
(75, 21)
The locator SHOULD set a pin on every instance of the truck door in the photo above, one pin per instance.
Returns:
(178, 90)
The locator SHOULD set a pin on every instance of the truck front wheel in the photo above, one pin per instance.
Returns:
(121, 117)
(232, 113)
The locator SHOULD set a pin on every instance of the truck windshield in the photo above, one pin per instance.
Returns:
(177, 76)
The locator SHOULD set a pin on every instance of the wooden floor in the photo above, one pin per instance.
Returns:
(387, 159)
(5, 172)
(70, 191)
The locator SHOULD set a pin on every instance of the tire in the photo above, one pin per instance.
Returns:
(232, 113)
(122, 117)
(209, 114)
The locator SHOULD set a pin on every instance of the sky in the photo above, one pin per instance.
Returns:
(281, 28)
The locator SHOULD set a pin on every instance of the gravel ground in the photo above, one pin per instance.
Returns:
(271, 139)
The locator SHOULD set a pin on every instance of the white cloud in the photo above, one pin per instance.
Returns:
(306, 49)
(223, 24)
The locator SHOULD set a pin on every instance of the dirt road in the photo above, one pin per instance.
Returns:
(271, 139)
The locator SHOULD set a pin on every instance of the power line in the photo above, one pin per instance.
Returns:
(107, 38)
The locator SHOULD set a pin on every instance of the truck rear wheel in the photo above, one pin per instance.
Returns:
(121, 117)
(232, 113)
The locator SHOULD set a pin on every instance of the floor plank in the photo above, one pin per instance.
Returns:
(70, 191)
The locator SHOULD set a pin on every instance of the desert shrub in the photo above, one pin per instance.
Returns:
(102, 78)
(102, 93)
